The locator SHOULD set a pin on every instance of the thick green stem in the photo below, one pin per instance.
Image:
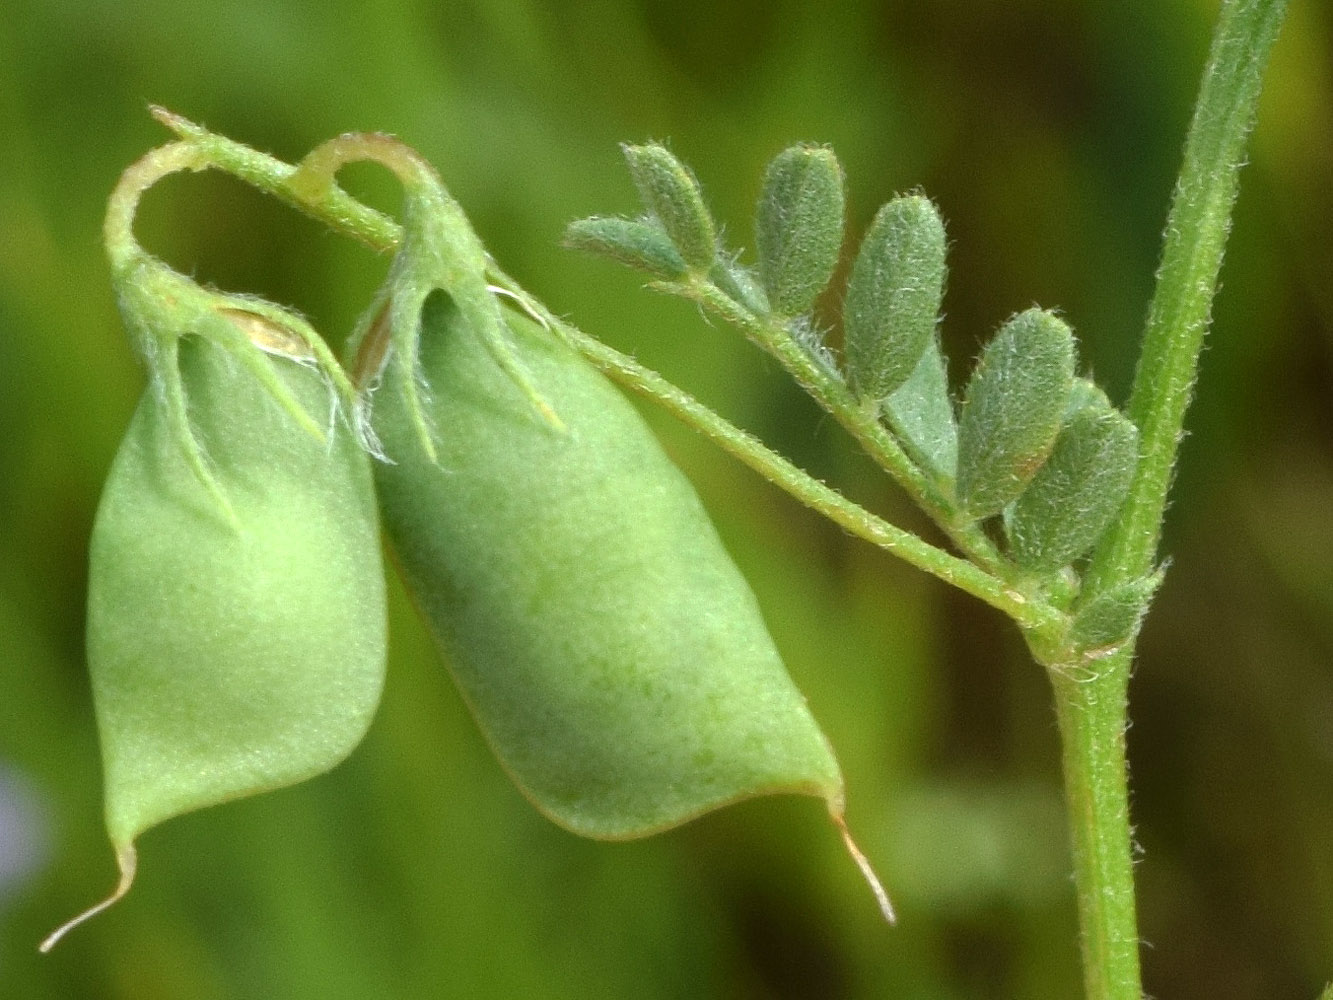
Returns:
(1091, 714)
(1196, 233)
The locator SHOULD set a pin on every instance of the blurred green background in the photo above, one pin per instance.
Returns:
(1049, 132)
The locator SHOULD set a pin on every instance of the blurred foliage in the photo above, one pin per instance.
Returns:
(1049, 134)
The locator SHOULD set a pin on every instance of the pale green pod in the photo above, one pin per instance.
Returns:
(798, 226)
(1016, 402)
(610, 650)
(236, 607)
(894, 295)
(231, 650)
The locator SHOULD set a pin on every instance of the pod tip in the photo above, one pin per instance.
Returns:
(127, 861)
(868, 873)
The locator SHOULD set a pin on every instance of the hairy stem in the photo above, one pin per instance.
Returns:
(1092, 712)
(962, 574)
(1196, 233)
(334, 207)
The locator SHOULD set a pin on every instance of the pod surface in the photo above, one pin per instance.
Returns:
(610, 650)
(231, 657)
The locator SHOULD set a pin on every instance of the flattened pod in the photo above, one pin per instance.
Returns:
(610, 650)
(231, 656)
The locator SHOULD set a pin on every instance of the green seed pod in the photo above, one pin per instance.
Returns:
(798, 226)
(236, 606)
(610, 650)
(235, 646)
(438, 250)
(230, 658)
(920, 412)
(637, 244)
(672, 195)
(893, 296)
(1015, 405)
(1070, 502)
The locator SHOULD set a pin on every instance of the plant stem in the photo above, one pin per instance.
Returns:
(336, 208)
(1092, 717)
(961, 573)
(1092, 713)
(1196, 232)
